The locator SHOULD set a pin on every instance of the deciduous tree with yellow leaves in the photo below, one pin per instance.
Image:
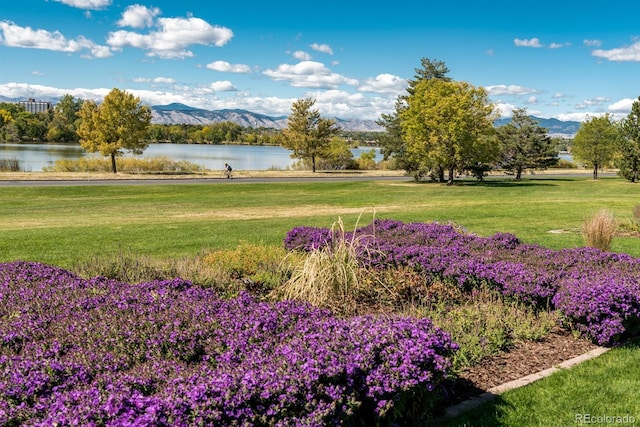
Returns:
(116, 125)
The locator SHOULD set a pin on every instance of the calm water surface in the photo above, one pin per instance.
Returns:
(34, 157)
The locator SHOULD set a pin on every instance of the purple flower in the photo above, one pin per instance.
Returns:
(597, 291)
(167, 353)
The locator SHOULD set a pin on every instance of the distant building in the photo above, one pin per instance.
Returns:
(33, 106)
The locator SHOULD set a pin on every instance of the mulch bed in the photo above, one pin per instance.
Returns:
(523, 359)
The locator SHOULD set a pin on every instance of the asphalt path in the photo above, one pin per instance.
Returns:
(251, 180)
(170, 181)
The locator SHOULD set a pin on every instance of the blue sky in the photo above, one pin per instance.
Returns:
(562, 59)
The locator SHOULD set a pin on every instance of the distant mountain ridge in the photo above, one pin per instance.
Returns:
(555, 127)
(177, 113)
(184, 114)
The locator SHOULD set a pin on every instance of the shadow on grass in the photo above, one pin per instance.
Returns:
(487, 413)
(495, 182)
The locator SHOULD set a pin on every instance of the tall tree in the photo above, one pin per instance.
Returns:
(307, 133)
(524, 144)
(431, 69)
(449, 125)
(629, 144)
(5, 119)
(392, 142)
(595, 142)
(118, 124)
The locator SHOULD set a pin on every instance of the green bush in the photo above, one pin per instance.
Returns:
(565, 164)
(484, 324)
(258, 268)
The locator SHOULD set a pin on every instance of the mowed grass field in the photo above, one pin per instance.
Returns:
(62, 225)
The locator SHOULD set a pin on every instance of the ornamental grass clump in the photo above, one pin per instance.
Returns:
(10, 164)
(96, 351)
(330, 274)
(597, 291)
(599, 229)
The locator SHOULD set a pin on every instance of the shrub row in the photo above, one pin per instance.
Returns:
(598, 292)
(77, 351)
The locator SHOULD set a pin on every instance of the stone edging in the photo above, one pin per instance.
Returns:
(490, 394)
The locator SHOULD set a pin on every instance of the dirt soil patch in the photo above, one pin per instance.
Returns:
(523, 359)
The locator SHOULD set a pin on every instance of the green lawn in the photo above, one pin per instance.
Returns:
(601, 391)
(60, 225)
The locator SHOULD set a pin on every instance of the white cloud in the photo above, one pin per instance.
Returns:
(498, 90)
(165, 80)
(532, 100)
(623, 54)
(22, 90)
(25, 37)
(384, 83)
(338, 103)
(223, 86)
(98, 51)
(301, 55)
(558, 45)
(324, 48)
(534, 42)
(226, 67)
(331, 103)
(173, 37)
(577, 117)
(622, 106)
(592, 43)
(86, 4)
(138, 16)
(504, 109)
(309, 74)
(599, 100)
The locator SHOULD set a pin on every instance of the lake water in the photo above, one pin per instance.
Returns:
(34, 157)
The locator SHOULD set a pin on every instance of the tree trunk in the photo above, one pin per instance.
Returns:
(518, 173)
(113, 163)
(595, 171)
(313, 163)
(441, 174)
(451, 173)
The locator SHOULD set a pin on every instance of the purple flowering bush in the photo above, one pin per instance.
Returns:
(597, 291)
(96, 352)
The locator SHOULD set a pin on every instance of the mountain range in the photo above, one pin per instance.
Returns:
(555, 127)
(183, 114)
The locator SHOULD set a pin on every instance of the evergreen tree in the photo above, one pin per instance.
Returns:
(629, 144)
(525, 145)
